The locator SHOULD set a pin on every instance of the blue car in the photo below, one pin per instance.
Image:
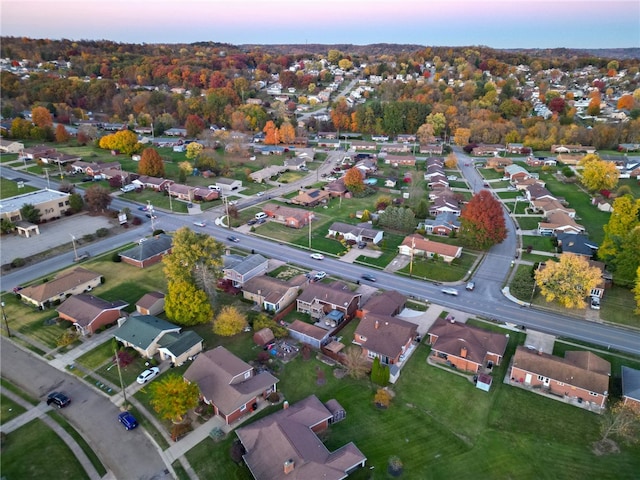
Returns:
(128, 420)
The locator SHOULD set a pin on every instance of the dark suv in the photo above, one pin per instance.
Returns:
(58, 399)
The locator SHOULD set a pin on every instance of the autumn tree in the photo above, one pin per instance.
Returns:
(353, 181)
(462, 136)
(568, 281)
(271, 133)
(172, 397)
(482, 222)
(287, 133)
(62, 136)
(598, 174)
(97, 198)
(627, 261)
(425, 134)
(355, 362)
(151, 163)
(621, 421)
(186, 304)
(194, 149)
(623, 219)
(186, 169)
(194, 125)
(124, 141)
(229, 322)
(41, 117)
(626, 102)
(451, 161)
(438, 121)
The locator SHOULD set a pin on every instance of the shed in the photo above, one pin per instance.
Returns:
(337, 412)
(484, 382)
(263, 336)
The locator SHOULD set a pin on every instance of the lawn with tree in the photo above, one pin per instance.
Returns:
(482, 222)
(568, 281)
(598, 174)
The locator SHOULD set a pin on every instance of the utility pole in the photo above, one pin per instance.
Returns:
(75, 250)
(309, 233)
(124, 392)
(413, 246)
(6, 322)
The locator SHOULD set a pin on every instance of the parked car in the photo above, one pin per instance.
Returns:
(595, 303)
(362, 245)
(233, 238)
(450, 291)
(368, 277)
(200, 224)
(319, 276)
(128, 420)
(317, 256)
(253, 221)
(147, 375)
(471, 285)
(58, 399)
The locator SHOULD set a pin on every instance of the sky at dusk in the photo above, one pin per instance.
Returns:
(494, 23)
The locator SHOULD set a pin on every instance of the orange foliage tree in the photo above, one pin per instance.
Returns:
(151, 163)
(482, 222)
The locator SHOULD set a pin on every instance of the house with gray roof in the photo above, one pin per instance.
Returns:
(240, 269)
(149, 335)
(444, 224)
(148, 251)
(631, 387)
(285, 444)
(230, 385)
(88, 313)
(357, 233)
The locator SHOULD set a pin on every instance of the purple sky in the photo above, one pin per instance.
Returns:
(495, 23)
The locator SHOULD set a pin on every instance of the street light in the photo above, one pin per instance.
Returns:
(4, 317)
(75, 250)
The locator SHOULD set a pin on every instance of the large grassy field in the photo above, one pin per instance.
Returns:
(9, 188)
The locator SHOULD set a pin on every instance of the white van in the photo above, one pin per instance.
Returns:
(128, 188)
(261, 216)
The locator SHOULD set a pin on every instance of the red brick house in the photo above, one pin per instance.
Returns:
(400, 160)
(285, 444)
(89, 313)
(289, 216)
(311, 198)
(229, 384)
(580, 378)
(418, 245)
(464, 347)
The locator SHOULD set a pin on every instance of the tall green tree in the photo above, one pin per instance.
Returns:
(623, 220)
(30, 213)
(636, 292)
(627, 260)
(172, 397)
(482, 222)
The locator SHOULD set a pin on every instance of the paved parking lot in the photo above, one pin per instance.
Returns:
(52, 234)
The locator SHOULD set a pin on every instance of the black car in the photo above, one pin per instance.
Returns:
(58, 399)
(253, 221)
(368, 277)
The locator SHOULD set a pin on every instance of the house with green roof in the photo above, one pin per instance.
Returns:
(149, 335)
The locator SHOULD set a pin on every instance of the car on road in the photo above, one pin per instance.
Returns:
(200, 224)
(450, 291)
(233, 238)
(128, 420)
(319, 276)
(368, 277)
(317, 256)
(58, 399)
(470, 286)
(259, 194)
(147, 375)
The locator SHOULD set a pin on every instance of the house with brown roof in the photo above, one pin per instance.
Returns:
(570, 158)
(153, 183)
(272, 294)
(465, 347)
(498, 163)
(337, 188)
(36, 152)
(385, 337)
(387, 303)
(148, 251)
(559, 222)
(431, 149)
(88, 313)
(631, 387)
(444, 204)
(311, 197)
(309, 334)
(230, 385)
(10, 146)
(289, 216)
(487, 150)
(285, 444)
(65, 284)
(581, 378)
(151, 303)
(548, 206)
(536, 191)
(416, 244)
(318, 299)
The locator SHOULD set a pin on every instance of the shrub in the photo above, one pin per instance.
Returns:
(102, 232)
(18, 262)
(88, 237)
(136, 221)
(67, 338)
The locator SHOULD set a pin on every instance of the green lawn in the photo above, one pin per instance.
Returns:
(617, 307)
(9, 188)
(9, 409)
(441, 271)
(543, 244)
(509, 195)
(35, 451)
(490, 174)
(529, 223)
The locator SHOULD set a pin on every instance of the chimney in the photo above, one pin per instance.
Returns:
(377, 324)
(463, 352)
(288, 466)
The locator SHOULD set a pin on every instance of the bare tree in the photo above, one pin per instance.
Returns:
(355, 362)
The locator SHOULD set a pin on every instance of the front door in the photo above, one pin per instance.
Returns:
(527, 379)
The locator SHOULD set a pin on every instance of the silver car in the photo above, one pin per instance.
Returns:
(450, 291)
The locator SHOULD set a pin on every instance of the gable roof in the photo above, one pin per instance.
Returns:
(356, 230)
(631, 383)
(576, 243)
(272, 289)
(220, 376)
(177, 344)
(308, 330)
(148, 300)
(84, 308)
(334, 293)
(385, 303)
(453, 336)
(59, 285)
(418, 242)
(149, 248)
(141, 330)
(580, 369)
(287, 435)
(243, 265)
(385, 334)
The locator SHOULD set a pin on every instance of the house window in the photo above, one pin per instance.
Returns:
(593, 394)
(560, 384)
(243, 408)
(247, 374)
(371, 354)
(540, 378)
(60, 204)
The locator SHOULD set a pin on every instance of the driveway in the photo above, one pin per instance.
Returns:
(354, 253)
(127, 454)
